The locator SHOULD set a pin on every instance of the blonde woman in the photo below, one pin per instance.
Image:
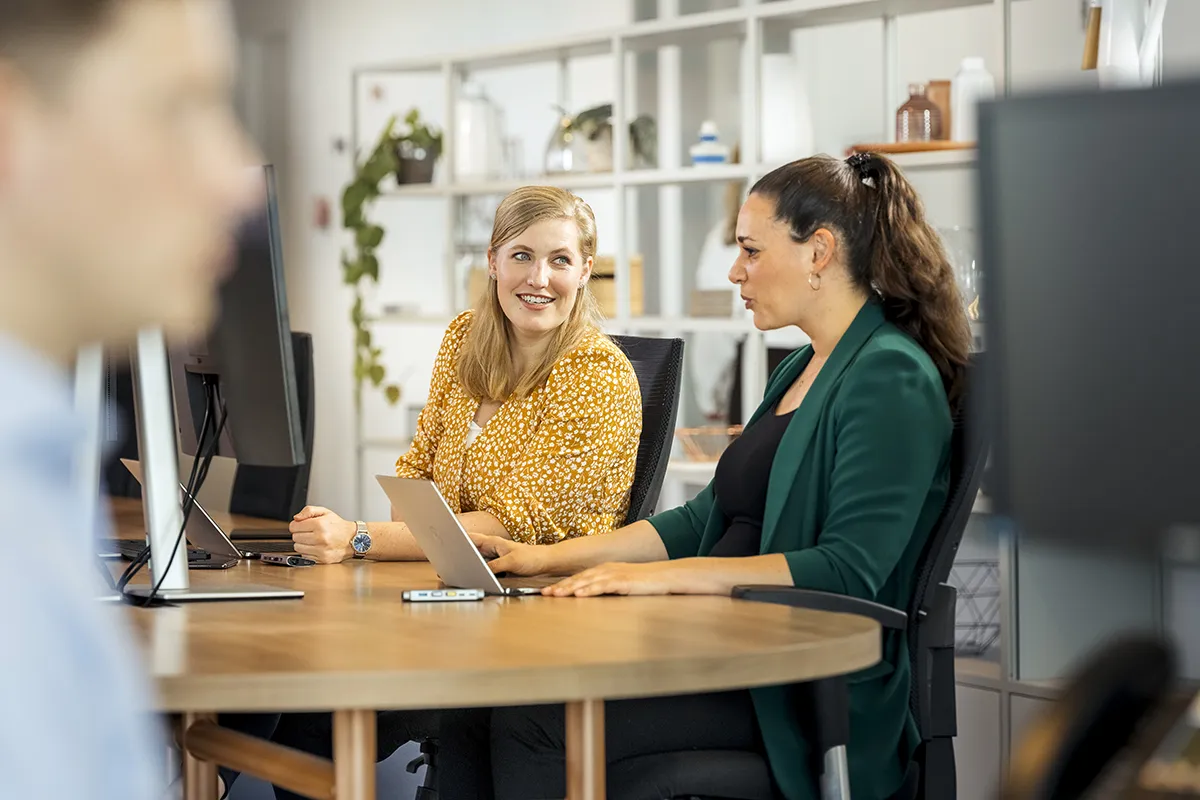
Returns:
(526, 391)
(531, 428)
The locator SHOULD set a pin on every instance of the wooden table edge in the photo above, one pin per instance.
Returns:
(430, 689)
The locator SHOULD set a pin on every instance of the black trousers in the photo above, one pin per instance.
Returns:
(527, 745)
(313, 733)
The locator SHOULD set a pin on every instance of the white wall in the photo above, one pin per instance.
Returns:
(322, 41)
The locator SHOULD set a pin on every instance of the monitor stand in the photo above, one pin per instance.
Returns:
(248, 591)
(159, 452)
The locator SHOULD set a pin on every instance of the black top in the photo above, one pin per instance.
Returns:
(741, 484)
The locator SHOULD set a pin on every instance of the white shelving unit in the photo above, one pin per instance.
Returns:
(750, 22)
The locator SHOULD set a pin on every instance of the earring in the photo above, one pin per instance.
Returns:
(491, 276)
(582, 284)
(814, 281)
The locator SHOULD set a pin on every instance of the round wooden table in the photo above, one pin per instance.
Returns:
(352, 646)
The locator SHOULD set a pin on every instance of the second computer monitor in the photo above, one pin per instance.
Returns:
(1092, 283)
(248, 355)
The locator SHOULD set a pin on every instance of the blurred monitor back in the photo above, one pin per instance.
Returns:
(1091, 296)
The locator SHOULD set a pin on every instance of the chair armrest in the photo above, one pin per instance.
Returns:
(888, 617)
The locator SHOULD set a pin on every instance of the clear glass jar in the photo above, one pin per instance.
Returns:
(919, 119)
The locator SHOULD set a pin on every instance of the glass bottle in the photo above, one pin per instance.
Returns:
(919, 119)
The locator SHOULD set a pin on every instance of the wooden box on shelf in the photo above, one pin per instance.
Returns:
(603, 284)
(713, 303)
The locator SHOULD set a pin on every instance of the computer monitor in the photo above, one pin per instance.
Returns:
(248, 354)
(1091, 288)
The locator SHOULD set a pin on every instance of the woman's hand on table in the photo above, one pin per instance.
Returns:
(322, 535)
(711, 576)
(654, 578)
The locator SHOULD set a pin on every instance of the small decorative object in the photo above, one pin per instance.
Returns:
(939, 93)
(584, 143)
(563, 154)
(971, 85)
(706, 444)
(479, 135)
(362, 263)
(977, 616)
(709, 149)
(417, 149)
(918, 120)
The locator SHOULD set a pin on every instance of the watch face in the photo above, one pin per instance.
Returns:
(361, 542)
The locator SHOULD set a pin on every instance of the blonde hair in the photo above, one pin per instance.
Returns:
(486, 368)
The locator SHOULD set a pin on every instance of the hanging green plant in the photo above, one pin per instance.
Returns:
(361, 263)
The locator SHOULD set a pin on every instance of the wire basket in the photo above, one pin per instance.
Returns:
(706, 444)
(977, 616)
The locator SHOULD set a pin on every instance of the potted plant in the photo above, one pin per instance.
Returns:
(361, 263)
(416, 150)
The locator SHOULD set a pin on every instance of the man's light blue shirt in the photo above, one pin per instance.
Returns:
(74, 699)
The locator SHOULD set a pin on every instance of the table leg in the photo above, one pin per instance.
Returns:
(585, 750)
(354, 754)
(199, 777)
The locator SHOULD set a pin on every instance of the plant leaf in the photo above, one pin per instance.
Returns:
(368, 237)
(352, 202)
(393, 394)
(376, 373)
(364, 338)
(369, 265)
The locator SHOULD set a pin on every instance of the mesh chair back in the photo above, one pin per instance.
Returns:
(658, 364)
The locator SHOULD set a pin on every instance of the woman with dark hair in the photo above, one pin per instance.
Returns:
(835, 485)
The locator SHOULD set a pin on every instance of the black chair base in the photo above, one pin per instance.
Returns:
(710, 774)
(428, 759)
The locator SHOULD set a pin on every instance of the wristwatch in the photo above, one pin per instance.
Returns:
(362, 539)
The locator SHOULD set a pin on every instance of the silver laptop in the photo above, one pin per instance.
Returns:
(203, 531)
(447, 546)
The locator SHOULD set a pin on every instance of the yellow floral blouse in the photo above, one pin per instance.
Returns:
(551, 466)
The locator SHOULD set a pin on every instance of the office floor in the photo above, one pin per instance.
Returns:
(392, 780)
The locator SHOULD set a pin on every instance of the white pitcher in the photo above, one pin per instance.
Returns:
(1130, 39)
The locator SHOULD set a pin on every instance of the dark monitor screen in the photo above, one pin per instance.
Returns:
(248, 354)
(1089, 221)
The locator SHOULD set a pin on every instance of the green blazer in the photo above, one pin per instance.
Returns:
(856, 487)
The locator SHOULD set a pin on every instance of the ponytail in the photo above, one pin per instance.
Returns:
(890, 249)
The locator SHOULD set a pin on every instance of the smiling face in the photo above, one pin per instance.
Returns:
(773, 270)
(539, 273)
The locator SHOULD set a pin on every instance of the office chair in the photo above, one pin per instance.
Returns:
(658, 364)
(280, 492)
(929, 626)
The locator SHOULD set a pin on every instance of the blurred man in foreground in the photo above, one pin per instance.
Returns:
(122, 172)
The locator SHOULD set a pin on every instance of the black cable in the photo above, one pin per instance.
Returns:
(143, 555)
(190, 499)
(205, 452)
